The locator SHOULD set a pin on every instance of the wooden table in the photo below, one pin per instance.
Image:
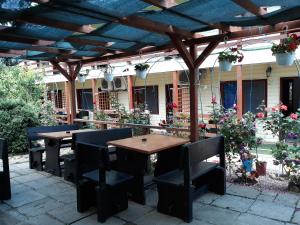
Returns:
(133, 154)
(53, 142)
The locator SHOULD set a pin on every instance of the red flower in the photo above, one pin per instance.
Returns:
(164, 122)
(260, 115)
(94, 102)
(214, 100)
(294, 116)
(202, 125)
(283, 107)
(174, 105)
(292, 46)
(235, 106)
(234, 49)
(294, 36)
(274, 109)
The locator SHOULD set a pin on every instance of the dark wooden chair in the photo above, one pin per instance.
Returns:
(178, 188)
(100, 138)
(5, 190)
(97, 183)
(36, 150)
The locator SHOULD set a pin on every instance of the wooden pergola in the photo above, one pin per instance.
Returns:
(81, 32)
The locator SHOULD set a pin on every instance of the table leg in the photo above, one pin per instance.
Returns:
(52, 156)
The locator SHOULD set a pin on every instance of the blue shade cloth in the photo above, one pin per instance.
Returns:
(86, 54)
(12, 45)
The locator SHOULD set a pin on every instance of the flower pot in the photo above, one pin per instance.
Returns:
(108, 76)
(261, 168)
(225, 65)
(81, 78)
(285, 59)
(141, 74)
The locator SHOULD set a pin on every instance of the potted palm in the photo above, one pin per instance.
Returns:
(226, 58)
(141, 70)
(285, 50)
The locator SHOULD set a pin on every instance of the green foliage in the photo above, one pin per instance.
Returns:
(15, 116)
(233, 56)
(141, 66)
(47, 112)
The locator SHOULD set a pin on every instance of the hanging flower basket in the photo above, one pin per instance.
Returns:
(285, 59)
(227, 58)
(82, 78)
(141, 70)
(108, 76)
(225, 65)
(285, 51)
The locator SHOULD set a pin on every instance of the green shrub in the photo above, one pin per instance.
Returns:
(15, 116)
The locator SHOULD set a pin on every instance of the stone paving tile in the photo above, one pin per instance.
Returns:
(298, 205)
(151, 198)
(42, 220)
(20, 199)
(155, 218)
(18, 188)
(68, 213)
(29, 177)
(272, 211)
(4, 207)
(296, 217)
(242, 191)
(248, 219)
(54, 189)
(7, 219)
(196, 222)
(214, 215)
(134, 211)
(66, 196)
(234, 202)
(92, 220)
(208, 198)
(40, 207)
(42, 182)
(267, 198)
(287, 199)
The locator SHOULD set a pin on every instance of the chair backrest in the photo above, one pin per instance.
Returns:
(4, 154)
(91, 157)
(101, 137)
(32, 132)
(199, 151)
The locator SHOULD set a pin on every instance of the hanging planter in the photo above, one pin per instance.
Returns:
(285, 51)
(227, 58)
(82, 77)
(108, 76)
(141, 70)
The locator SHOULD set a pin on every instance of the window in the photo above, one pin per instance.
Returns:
(85, 99)
(184, 99)
(254, 92)
(147, 95)
(106, 98)
(56, 97)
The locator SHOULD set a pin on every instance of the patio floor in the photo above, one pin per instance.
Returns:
(42, 199)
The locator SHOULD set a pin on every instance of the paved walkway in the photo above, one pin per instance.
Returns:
(41, 199)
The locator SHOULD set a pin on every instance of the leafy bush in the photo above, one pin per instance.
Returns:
(15, 116)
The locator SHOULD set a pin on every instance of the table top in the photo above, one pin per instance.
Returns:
(154, 143)
(63, 134)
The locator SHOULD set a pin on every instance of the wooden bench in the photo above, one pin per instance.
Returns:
(5, 190)
(178, 188)
(36, 149)
(97, 184)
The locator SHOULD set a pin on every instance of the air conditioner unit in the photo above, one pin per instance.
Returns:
(105, 85)
(119, 83)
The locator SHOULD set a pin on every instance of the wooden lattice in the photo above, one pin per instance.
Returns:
(184, 99)
(56, 98)
(105, 100)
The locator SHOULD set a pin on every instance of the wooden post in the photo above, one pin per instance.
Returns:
(95, 94)
(194, 96)
(73, 100)
(67, 98)
(239, 91)
(175, 88)
(130, 92)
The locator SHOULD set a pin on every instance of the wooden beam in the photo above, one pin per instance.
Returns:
(239, 91)
(61, 70)
(67, 99)
(95, 94)
(130, 91)
(251, 7)
(207, 51)
(194, 97)
(163, 4)
(183, 51)
(24, 40)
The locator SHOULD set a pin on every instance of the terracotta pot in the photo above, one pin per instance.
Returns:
(261, 168)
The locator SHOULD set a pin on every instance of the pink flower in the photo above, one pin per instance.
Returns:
(213, 100)
(235, 106)
(260, 115)
(294, 116)
(283, 107)
(174, 105)
(202, 125)
(274, 109)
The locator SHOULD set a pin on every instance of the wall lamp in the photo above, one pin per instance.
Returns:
(268, 71)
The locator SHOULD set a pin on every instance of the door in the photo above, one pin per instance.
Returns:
(290, 94)
(169, 103)
(228, 92)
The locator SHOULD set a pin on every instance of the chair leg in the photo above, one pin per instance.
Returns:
(103, 204)
(85, 191)
(218, 184)
(5, 189)
(37, 160)
(69, 170)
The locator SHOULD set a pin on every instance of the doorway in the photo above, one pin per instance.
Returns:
(290, 94)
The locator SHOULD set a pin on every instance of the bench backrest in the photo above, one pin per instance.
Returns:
(196, 152)
(101, 137)
(91, 157)
(32, 132)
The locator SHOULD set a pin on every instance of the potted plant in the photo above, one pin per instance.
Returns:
(261, 166)
(141, 70)
(285, 50)
(226, 58)
(82, 77)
